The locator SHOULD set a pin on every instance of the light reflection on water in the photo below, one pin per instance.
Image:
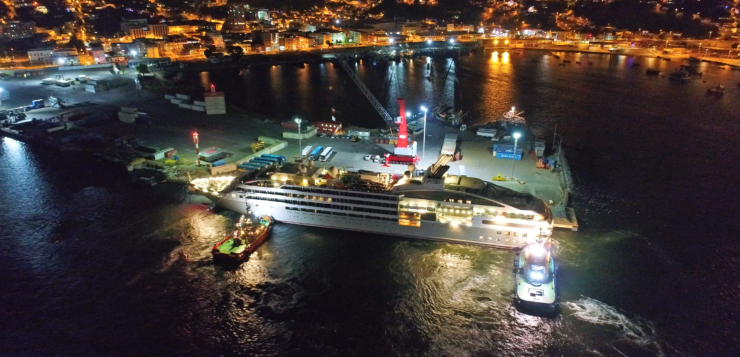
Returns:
(111, 268)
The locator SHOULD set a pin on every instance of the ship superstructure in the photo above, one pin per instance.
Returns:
(426, 204)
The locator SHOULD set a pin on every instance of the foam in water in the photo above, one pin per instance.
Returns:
(594, 311)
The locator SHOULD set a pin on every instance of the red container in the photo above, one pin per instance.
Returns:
(170, 153)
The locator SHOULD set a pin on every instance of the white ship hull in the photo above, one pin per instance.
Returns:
(431, 230)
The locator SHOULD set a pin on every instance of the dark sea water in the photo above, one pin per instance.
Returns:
(91, 266)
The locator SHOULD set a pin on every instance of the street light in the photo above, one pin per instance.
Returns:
(710, 35)
(197, 151)
(424, 141)
(513, 159)
(300, 146)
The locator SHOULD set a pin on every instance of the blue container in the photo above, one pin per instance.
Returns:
(508, 156)
(505, 148)
(218, 163)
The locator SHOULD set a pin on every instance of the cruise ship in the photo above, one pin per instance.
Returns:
(426, 204)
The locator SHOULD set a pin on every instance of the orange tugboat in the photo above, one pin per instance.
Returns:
(247, 237)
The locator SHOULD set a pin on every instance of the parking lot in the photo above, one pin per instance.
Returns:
(477, 160)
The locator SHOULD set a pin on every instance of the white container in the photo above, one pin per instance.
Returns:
(197, 108)
(186, 106)
(183, 96)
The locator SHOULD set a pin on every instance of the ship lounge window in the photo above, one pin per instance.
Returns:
(498, 232)
(507, 234)
(524, 235)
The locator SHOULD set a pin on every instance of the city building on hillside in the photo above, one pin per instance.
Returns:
(22, 3)
(238, 16)
(40, 55)
(13, 30)
(97, 54)
(262, 15)
(295, 42)
(127, 24)
(149, 31)
(187, 26)
(214, 39)
(270, 39)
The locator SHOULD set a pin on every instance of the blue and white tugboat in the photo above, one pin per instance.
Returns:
(535, 271)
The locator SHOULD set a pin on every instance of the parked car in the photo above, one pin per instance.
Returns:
(376, 158)
(368, 157)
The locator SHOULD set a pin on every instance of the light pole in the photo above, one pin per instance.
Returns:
(560, 148)
(197, 151)
(513, 159)
(424, 141)
(710, 35)
(300, 146)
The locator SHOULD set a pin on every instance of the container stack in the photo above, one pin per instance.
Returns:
(506, 151)
(539, 148)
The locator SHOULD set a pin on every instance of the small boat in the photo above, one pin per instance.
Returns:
(535, 278)
(652, 72)
(722, 67)
(566, 61)
(718, 91)
(556, 56)
(578, 62)
(680, 75)
(247, 237)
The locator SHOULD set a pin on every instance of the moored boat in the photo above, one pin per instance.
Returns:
(245, 239)
(718, 90)
(535, 278)
(680, 75)
(652, 72)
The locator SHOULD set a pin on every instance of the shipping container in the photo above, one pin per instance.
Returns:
(212, 154)
(506, 148)
(508, 156)
(218, 163)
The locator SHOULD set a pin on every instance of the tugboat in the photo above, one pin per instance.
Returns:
(535, 271)
(245, 239)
